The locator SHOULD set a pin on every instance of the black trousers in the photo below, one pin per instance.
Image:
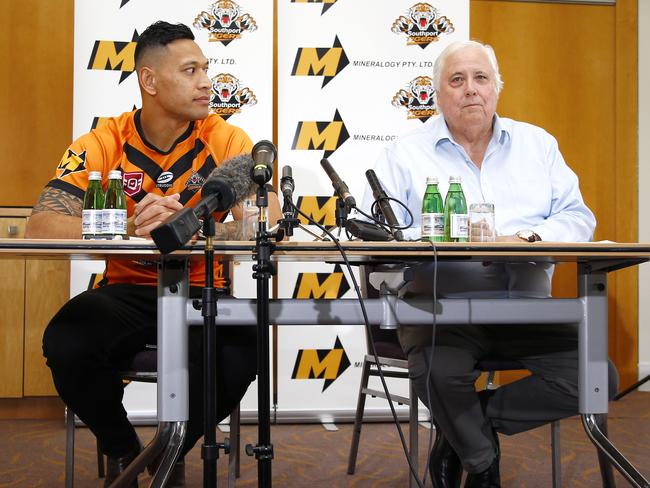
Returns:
(95, 335)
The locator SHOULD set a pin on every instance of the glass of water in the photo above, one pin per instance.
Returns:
(481, 222)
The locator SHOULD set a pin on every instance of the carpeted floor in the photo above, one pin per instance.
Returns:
(32, 454)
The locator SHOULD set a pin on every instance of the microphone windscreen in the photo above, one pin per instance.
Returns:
(236, 171)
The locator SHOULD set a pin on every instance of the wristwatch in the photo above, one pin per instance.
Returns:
(528, 235)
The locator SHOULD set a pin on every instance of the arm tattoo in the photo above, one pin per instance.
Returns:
(230, 231)
(58, 201)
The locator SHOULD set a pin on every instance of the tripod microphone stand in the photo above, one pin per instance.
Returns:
(263, 270)
(210, 448)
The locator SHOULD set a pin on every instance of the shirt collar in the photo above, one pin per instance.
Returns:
(440, 131)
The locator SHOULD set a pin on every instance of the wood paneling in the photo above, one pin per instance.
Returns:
(572, 70)
(36, 43)
(47, 288)
(32, 408)
(12, 305)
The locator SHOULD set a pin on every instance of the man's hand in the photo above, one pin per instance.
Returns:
(151, 211)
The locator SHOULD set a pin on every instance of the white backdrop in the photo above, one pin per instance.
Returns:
(352, 76)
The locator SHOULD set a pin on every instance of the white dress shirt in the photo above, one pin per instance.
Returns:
(523, 174)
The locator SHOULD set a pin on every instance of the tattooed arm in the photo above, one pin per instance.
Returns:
(232, 231)
(56, 215)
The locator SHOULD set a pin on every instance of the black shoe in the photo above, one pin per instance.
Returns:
(176, 477)
(444, 464)
(116, 465)
(489, 478)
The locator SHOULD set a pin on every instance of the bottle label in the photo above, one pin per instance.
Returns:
(114, 221)
(459, 226)
(433, 225)
(91, 222)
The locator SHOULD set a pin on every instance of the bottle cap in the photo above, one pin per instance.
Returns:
(115, 175)
(432, 180)
(454, 179)
(95, 175)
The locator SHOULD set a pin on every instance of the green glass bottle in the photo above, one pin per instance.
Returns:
(114, 214)
(91, 215)
(456, 217)
(433, 217)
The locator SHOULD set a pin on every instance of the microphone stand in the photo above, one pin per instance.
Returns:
(340, 215)
(210, 448)
(262, 272)
(290, 222)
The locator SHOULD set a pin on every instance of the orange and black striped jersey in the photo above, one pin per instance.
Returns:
(120, 144)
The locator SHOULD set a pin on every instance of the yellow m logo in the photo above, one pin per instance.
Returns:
(320, 61)
(320, 209)
(114, 56)
(321, 135)
(327, 364)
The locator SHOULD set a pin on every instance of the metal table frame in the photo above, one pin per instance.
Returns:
(176, 313)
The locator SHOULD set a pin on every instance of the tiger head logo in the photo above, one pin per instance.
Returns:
(423, 25)
(422, 15)
(225, 21)
(228, 96)
(418, 99)
(225, 12)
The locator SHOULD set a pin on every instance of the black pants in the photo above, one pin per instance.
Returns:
(96, 333)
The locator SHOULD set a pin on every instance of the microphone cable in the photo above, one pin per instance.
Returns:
(376, 219)
(412, 469)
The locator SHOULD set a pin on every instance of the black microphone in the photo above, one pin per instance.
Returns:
(339, 185)
(381, 198)
(226, 186)
(367, 231)
(264, 154)
(286, 183)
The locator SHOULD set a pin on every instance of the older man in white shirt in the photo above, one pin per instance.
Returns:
(519, 168)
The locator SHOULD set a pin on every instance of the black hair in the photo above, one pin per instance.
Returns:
(160, 34)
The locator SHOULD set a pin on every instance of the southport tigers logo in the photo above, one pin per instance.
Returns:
(326, 3)
(228, 96)
(418, 98)
(423, 25)
(71, 162)
(225, 22)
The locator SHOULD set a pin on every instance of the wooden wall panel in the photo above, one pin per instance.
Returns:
(36, 43)
(47, 285)
(12, 313)
(572, 70)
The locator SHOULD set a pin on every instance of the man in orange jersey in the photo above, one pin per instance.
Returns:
(165, 151)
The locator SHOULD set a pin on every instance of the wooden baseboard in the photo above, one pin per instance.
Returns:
(31, 408)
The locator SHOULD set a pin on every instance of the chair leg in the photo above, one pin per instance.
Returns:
(606, 471)
(69, 448)
(233, 457)
(556, 454)
(358, 419)
(100, 461)
(413, 433)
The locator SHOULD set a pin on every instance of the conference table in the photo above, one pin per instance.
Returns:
(176, 311)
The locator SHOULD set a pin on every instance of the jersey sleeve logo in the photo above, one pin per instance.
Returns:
(132, 182)
(70, 163)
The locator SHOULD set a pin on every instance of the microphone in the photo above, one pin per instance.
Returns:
(367, 231)
(286, 183)
(263, 154)
(384, 204)
(226, 186)
(339, 185)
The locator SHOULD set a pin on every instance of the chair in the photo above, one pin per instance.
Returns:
(143, 369)
(492, 365)
(389, 353)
